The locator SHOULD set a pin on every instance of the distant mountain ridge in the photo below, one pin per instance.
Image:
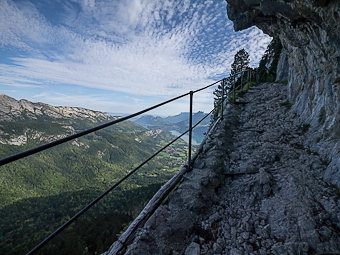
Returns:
(179, 123)
(61, 117)
(11, 109)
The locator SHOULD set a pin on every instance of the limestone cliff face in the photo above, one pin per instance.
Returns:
(14, 111)
(310, 34)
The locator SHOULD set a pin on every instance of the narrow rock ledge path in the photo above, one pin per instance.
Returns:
(257, 188)
(286, 207)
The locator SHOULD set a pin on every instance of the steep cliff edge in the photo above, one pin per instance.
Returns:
(309, 31)
(257, 188)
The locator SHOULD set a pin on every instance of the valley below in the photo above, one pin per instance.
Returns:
(39, 193)
(177, 124)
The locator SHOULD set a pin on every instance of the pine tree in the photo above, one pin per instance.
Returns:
(217, 101)
(241, 62)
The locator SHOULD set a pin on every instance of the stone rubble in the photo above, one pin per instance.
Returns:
(257, 188)
(174, 228)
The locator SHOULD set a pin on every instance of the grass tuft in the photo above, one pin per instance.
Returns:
(286, 104)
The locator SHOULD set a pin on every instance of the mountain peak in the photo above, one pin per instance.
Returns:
(11, 109)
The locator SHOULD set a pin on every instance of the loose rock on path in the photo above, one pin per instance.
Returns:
(256, 188)
(285, 207)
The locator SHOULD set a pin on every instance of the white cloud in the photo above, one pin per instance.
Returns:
(21, 27)
(139, 47)
(87, 101)
(101, 103)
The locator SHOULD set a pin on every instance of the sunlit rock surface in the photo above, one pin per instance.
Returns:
(12, 111)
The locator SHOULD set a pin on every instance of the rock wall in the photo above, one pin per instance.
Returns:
(310, 34)
(282, 68)
(261, 190)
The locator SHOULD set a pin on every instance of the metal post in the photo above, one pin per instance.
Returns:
(190, 130)
(234, 90)
(242, 80)
(222, 98)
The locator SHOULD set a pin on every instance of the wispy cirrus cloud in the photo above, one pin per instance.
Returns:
(139, 47)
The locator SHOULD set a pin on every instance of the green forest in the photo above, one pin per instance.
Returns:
(41, 192)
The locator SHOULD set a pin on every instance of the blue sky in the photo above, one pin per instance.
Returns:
(118, 55)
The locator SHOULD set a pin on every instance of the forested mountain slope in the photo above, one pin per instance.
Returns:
(40, 192)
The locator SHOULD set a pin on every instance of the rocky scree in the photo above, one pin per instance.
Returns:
(169, 230)
(283, 205)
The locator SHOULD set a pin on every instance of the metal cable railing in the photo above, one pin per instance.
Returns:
(27, 153)
(91, 130)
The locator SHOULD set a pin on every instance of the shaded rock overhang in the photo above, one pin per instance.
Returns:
(309, 31)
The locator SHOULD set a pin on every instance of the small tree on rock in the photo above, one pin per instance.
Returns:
(217, 101)
(241, 62)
